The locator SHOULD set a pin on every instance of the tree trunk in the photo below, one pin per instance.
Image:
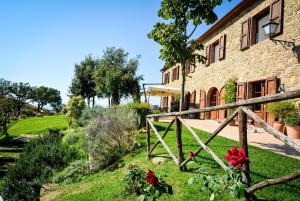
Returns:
(181, 104)
(88, 101)
(109, 104)
(93, 101)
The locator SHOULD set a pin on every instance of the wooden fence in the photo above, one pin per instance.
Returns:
(242, 112)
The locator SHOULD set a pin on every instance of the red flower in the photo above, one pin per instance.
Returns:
(151, 178)
(237, 158)
(191, 154)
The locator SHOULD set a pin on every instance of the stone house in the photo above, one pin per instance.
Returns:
(236, 46)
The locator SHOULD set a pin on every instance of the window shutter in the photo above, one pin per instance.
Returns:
(193, 98)
(245, 35)
(276, 9)
(271, 83)
(222, 43)
(212, 54)
(207, 51)
(241, 91)
(202, 103)
(252, 31)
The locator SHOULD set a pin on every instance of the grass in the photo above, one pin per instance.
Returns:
(37, 125)
(108, 185)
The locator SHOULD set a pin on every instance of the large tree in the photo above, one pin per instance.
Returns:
(116, 76)
(46, 95)
(83, 83)
(21, 92)
(7, 114)
(5, 87)
(175, 35)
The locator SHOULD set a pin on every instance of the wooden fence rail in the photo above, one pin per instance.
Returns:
(242, 112)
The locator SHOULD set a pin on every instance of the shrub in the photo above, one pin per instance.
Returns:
(73, 138)
(36, 164)
(135, 180)
(75, 172)
(142, 110)
(282, 109)
(292, 121)
(230, 90)
(74, 108)
(108, 136)
(89, 113)
(155, 112)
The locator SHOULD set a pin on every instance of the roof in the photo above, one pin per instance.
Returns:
(229, 16)
(162, 90)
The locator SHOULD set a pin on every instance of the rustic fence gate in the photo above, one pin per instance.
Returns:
(242, 111)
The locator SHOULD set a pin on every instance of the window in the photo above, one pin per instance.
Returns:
(167, 78)
(175, 73)
(214, 57)
(259, 33)
(216, 51)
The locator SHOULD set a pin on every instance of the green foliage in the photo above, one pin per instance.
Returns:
(135, 180)
(74, 108)
(108, 136)
(116, 76)
(5, 87)
(74, 139)
(21, 92)
(40, 158)
(75, 172)
(155, 111)
(83, 83)
(230, 90)
(282, 109)
(142, 110)
(231, 181)
(7, 114)
(292, 121)
(45, 95)
(89, 113)
(136, 183)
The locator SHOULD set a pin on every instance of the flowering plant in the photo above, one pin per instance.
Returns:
(231, 181)
(191, 154)
(237, 158)
(145, 184)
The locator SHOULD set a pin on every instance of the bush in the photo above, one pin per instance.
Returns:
(74, 138)
(36, 164)
(282, 109)
(89, 113)
(292, 121)
(230, 90)
(135, 181)
(155, 112)
(108, 136)
(75, 172)
(142, 110)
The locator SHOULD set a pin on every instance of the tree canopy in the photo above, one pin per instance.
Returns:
(175, 35)
(45, 95)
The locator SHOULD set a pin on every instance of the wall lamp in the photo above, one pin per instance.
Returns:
(270, 30)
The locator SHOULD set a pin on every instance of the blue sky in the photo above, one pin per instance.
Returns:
(41, 40)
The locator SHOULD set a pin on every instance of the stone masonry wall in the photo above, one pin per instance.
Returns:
(262, 60)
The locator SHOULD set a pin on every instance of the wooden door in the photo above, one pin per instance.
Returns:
(222, 113)
(258, 91)
(213, 101)
(202, 102)
(271, 88)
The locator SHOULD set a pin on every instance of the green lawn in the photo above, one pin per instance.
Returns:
(108, 185)
(37, 125)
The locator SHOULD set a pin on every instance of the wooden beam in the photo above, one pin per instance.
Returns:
(179, 143)
(271, 130)
(271, 182)
(162, 142)
(148, 140)
(244, 144)
(247, 102)
(212, 136)
(163, 136)
(208, 150)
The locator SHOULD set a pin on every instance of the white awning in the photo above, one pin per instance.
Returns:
(161, 90)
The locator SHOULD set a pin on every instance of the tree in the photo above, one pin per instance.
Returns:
(83, 83)
(44, 95)
(7, 114)
(178, 46)
(21, 92)
(5, 87)
(74, 108)
(116, 76)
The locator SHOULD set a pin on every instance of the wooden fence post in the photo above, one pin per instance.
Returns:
(179, 143)
(148, 139)
(244, 144)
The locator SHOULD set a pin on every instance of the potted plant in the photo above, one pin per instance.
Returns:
(281, 110)
(293, 127)
(155, 119)
(230, 95)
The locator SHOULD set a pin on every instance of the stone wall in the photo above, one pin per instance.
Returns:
(262, 60)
